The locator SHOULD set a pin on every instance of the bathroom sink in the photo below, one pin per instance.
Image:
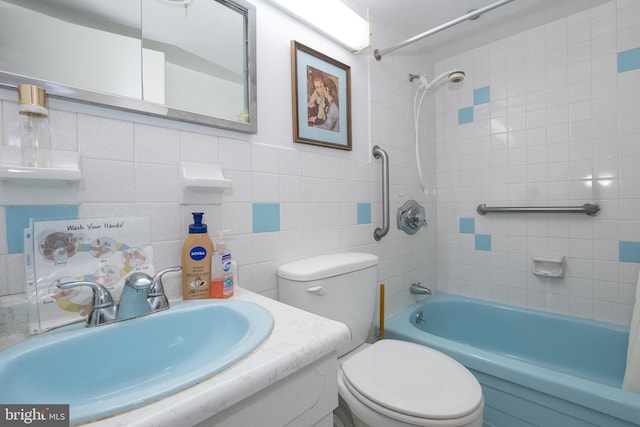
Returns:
(109, 369)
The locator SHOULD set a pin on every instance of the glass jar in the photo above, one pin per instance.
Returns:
(35, 142)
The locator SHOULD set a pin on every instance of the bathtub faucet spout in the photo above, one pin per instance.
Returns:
(418, 289)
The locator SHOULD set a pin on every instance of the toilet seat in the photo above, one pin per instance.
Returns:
(412, 383)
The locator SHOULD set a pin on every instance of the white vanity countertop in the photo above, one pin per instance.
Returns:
(298, 339)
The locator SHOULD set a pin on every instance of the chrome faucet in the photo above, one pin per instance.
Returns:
(418, 289)
(140, 296)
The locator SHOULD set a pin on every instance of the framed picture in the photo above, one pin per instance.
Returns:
(321, 96)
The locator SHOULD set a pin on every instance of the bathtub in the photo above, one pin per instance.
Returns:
(535, 368)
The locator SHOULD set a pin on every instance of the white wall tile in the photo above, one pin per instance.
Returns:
(105, 181)
(235, 154)
(567, 120)
(103, 138)
(264, 159)
(156, 144)
(265, 188)
(199, 148)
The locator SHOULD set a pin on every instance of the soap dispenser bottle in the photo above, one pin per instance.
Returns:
(223, 270)
(196, 260)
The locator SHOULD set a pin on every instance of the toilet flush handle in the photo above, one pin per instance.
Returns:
(318, 290)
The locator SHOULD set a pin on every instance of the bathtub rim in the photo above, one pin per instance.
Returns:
(624, 404)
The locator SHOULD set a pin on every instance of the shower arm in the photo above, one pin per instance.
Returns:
(378, 54)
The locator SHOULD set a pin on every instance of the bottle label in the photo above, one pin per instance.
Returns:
(227, 286)
(198, 253)
(226, 263)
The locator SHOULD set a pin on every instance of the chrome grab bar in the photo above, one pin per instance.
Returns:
(378, 153)
(588, 208)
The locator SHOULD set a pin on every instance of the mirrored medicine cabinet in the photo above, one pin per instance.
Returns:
(188, 60)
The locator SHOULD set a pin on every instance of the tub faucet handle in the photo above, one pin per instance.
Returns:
(410, 217)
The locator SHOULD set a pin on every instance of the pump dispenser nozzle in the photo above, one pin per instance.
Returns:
(221, 244)
(197, 227)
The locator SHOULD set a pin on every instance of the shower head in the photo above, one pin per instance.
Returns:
(454, 76)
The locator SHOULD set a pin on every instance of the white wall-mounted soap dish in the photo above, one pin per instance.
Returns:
(202, 183)
(548, 266)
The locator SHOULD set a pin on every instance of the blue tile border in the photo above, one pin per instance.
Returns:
(467, 225)
(628, 60)
(629, 251)
(364, 213)
(266, 217)
(465, 115)
(18, 219)
(483, 242)
(481, 95)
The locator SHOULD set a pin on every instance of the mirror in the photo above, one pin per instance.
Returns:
(189, 60)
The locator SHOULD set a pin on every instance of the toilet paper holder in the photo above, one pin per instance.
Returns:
(548, 266)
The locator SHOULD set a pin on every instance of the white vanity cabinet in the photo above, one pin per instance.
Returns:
(305, 398)
(290, 380)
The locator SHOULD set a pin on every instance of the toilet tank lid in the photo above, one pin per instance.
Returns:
(323, 266)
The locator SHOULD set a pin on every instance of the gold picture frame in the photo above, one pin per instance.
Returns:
(321, 98)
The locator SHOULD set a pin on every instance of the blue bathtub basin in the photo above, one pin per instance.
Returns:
(113, 368)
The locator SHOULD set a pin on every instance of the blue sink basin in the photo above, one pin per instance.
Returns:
(113, 368)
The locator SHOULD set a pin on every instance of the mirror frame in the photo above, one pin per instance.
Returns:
(58, 90)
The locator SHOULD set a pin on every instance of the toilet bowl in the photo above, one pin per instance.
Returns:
(401, 384)
(390, 382)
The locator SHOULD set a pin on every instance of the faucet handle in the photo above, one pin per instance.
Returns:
(156, 297)
(103, 310)
(156, 287)
(411, 216)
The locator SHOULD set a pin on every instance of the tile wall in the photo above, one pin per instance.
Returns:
(287, 200)
(546, 117)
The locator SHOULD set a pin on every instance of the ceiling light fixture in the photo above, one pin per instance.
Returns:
(332, 18)
(178, 2)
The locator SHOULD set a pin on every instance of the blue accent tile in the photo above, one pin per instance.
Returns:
(266, 217)
(467, 225)
(481, 95)
(18, 219)
(465, 115)
(629, 252)
(364, 213)
(629, 60)
(483, 242)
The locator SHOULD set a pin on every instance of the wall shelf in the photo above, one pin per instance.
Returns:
(202, 183)
(18, 173)
(58, 185)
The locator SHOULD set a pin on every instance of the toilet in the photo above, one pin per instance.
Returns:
(390, 382)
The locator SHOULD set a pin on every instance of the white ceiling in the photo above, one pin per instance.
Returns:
(408, 18)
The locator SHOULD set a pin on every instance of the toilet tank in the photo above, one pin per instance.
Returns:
(339, 286)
